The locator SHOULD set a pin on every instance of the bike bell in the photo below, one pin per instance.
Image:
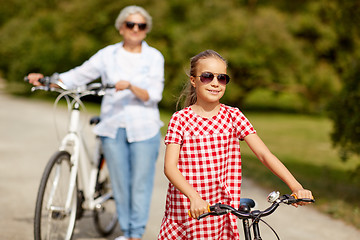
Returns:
(273, 196)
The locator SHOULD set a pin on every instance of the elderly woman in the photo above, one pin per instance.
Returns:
(130, 121)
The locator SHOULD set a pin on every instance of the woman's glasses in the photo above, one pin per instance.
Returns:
(131, 25)
(207, 77)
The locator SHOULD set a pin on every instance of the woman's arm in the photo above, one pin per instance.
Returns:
(152, 90)
(275, 165)
(140, 93)
(197, 205)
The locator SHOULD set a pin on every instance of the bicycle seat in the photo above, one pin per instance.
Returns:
(94, 120)
(246, 204)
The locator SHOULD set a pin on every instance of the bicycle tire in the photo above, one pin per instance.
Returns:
(105, 216)
(51, 220)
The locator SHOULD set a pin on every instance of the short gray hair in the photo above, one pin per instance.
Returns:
(133, 9)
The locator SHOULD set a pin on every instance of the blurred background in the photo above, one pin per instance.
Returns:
(294, 67)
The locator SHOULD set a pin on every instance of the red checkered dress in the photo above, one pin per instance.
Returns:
(210, 161)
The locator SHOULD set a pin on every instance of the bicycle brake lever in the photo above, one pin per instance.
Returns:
(218, 210)
(44, 88)
(215, 210)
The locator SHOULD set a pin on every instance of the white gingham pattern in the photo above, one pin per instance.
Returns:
(210, 161)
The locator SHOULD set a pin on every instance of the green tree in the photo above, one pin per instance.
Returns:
(266, 48)
(345, 107)
(275, 47)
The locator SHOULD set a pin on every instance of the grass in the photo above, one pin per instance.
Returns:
(303, 144)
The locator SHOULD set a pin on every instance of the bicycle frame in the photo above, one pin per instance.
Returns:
(82, 165)
(73, 180)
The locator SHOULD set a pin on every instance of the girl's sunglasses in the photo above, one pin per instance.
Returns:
(131, 25)
(207, 77)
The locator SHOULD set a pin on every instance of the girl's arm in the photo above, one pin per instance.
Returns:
(197, 205)
(273, 163)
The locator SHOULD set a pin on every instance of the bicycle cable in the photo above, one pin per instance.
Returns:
(273, 230)
(258, 218)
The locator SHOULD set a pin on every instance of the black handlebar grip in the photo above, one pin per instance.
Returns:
(291, 199)
(203, 215)
(306, 200)
(211, 212)
(44, 80)
(110, 85)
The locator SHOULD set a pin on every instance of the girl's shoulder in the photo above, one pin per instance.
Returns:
(231, 110)
(234, 113)
(180, 119)
(185, 112)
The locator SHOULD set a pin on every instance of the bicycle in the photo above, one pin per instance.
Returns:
(246, 213)
(73, 181)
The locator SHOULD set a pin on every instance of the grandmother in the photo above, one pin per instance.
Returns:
(130, 122)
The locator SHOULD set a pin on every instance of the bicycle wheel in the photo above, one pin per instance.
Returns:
(105, 216)
(52, 220)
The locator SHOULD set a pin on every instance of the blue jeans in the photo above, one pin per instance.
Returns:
(132, 169)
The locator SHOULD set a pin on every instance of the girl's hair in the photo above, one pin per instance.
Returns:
(133, 9)
(189, 91)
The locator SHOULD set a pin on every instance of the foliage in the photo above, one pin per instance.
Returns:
(269, 46)
(345, 113)
(345, 107)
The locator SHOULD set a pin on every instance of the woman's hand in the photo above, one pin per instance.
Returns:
(197, 207)
(302, 193)
(34, 78)
(140, 93)
(122, 85)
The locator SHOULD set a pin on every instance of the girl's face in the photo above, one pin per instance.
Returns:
(209, 92)
(132, 29)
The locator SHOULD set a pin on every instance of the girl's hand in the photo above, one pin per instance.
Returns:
(197, 207)
(302, 193)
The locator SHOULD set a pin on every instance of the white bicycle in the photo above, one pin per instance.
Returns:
(74, 180)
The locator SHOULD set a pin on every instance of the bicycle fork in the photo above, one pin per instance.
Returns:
(247, 231)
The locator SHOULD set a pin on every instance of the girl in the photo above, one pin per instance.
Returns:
(202, 158)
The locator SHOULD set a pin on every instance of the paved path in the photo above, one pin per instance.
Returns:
(27, 139)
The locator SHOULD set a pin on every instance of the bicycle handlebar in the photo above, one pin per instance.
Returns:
(244, 209)
(48, 82)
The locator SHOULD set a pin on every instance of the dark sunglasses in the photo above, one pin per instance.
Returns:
(207, 77)
(131, 25)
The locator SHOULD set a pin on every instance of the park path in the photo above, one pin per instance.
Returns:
(27, 139)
